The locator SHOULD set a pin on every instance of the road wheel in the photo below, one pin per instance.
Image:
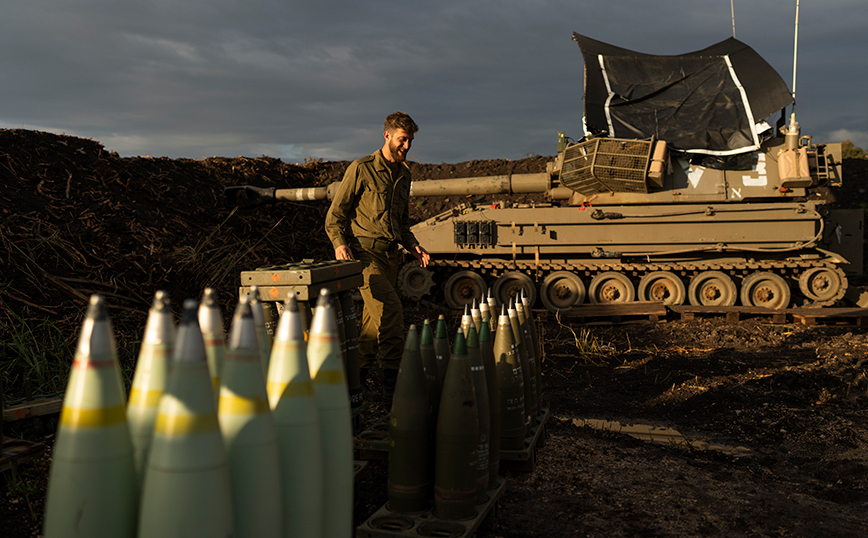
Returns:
(662, 286)
(561, 290)
(462, 288)
(822, 284)
(611, 287)
(509, 284)
(765, 289)
(712, 288)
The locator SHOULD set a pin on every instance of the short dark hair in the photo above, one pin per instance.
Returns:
(399, 120)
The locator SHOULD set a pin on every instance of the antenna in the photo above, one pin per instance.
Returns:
(795, 53)
(792, 135)
(732, 8)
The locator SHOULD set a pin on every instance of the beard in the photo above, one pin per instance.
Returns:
(398, 153)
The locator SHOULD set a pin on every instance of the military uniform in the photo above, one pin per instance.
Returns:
(370, 214)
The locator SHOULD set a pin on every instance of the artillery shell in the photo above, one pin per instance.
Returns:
(493, 388)
(187, 489)
(249, 432)
(333, 405)
(457, 439)
(213, 331)
(511, 383)
(149, 381)
(92, 482)
(293, 406)
(411, 463)
(480, 385)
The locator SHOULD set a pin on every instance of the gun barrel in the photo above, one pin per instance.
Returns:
(304, 194)
(505, 184)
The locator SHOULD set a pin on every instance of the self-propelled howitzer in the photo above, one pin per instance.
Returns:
(728, 212)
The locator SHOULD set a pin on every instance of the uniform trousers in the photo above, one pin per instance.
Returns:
(381, 339)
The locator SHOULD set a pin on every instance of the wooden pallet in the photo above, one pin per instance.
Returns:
(830, 316)
(732, 313)
(609, 313)
(805, 316)
(33, 408)
(16, 451)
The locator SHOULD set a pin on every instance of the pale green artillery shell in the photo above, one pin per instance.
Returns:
(290, 393)
(333, 405)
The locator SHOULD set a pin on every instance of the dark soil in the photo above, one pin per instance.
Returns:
(784, 404)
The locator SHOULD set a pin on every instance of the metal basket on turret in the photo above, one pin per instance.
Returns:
(603, 165)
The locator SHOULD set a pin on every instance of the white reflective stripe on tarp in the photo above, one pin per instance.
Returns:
(609, 98)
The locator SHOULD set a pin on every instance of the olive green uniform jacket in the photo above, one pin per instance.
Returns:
(372, 202)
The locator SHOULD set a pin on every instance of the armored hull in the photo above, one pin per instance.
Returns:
(700, 236)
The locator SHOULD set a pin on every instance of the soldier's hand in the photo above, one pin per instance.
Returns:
(343, 252)
(421, 254)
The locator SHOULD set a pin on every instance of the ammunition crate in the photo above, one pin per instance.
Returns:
(304, 279)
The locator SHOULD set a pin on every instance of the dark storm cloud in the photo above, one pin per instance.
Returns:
(486, 79)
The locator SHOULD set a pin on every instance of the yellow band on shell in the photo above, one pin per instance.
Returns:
(171, 425)
(296, 389)
(238, 405)
(329, 377)
(93, 418)
(145, 398)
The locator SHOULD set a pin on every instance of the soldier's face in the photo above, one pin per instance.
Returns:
(399, 144)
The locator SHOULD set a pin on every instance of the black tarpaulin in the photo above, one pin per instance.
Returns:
(708, 101)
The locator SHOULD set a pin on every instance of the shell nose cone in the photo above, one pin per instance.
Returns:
(189, 346)
(290, 327)
(209, 298)
(161, 303)
(96, 309)
(243, 330)
(323, 299)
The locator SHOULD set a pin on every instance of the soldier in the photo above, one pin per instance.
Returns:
(368, 221)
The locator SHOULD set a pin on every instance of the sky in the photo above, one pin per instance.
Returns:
(483, 79)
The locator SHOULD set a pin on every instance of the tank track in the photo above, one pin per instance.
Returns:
(792, 272)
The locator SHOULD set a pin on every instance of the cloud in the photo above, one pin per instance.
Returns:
(484, 79)
(859, 138)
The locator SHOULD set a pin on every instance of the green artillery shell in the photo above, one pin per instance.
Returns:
(493, 388)
(521, 351)
(441, 347)
(537, 348)
(457, 439)
(92, 483)
(293, 406)
(261, 331)
(211, 323)
(149, 381)
(187, 490)
(411, 462)
(531, 356)
(511, 382)
(480, 385)
(333, 404)
(351, 332)
(249, 432)
(429, 363)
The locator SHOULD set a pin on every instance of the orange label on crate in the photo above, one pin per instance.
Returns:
(274, 292)
(275, 277)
